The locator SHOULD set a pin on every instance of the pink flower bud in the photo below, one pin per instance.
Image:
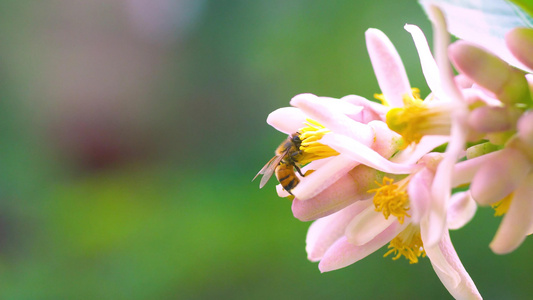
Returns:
(491, 119)
(525, 128)
(520, 43)
(490, 72)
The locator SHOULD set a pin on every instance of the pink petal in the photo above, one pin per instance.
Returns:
(479, 94)
(525, 128)
(325, 231)
(282, 193)
(419, 191)
(469, 22)
(520, 42)
(388, 67)
(442, 40)
(500, 176)
(348, 189)
(463, 81)
(464, 171)
(517, 221)
(314, 183)
(414, 152)
(334, 119)
(451, 271)
(386, 141)
(360, 152)
(442, 183)
(489, 71)
(440, 193)
(461, 210)
(314, 165)
(530, 230)
(342, 253)
(488, 119)
(429, 66)
(286, 119)
(372, 110)
(367, 225)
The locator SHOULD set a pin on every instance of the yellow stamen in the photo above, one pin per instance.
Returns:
(392, 199)
(381, 98)
(310, 147)
(417, 119)
(408, 244)
(501, 207)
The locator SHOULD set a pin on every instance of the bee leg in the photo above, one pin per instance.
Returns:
(299, 171)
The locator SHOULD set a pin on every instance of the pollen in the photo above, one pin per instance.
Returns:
(407, 244)
(501, 207)
(391, 199)
(417, 119)
(311, 148)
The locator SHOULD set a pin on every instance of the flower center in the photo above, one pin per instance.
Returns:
(418, 118)
(392, 199)
(408, 244)
(311, 148)
(501, 207)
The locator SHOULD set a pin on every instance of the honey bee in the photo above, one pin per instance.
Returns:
(283, 164)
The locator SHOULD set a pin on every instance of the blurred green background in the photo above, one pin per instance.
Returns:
(130, 131)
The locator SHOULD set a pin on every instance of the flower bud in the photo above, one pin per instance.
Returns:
(520, 42)
(490, 72)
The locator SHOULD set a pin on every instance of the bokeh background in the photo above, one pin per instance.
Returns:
(130, 131)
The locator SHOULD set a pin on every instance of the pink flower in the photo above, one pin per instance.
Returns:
(398, 214)
(330, 186)
(501, 178)
(504, 179)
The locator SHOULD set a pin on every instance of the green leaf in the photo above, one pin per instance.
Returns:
(485, 22)
(526, 5)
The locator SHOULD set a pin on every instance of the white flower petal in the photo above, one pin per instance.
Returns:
(342, 253)
(414, 152)
(314, 183)
(483, 23)
(500, 176)
(348, 189)
(282, 193)
(429, 66)
(442, 183)
(360, 152)
(450, 270)
(335, 120)
(461, 210)
(464, 171)
(517, 221)
(340, 105)
(419, 191)
(478, 94)
(286, 119)
(386, 141)
(314, 165)
(525, 128)
(325, 231)
(388, 67)
(463, 81)
(367, 225)
(372, 110)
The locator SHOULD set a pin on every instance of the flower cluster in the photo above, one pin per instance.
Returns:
(378, 173)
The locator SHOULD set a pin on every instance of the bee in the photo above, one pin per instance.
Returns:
(283, 164)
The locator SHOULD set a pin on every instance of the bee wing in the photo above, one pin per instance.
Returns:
(268, 170)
